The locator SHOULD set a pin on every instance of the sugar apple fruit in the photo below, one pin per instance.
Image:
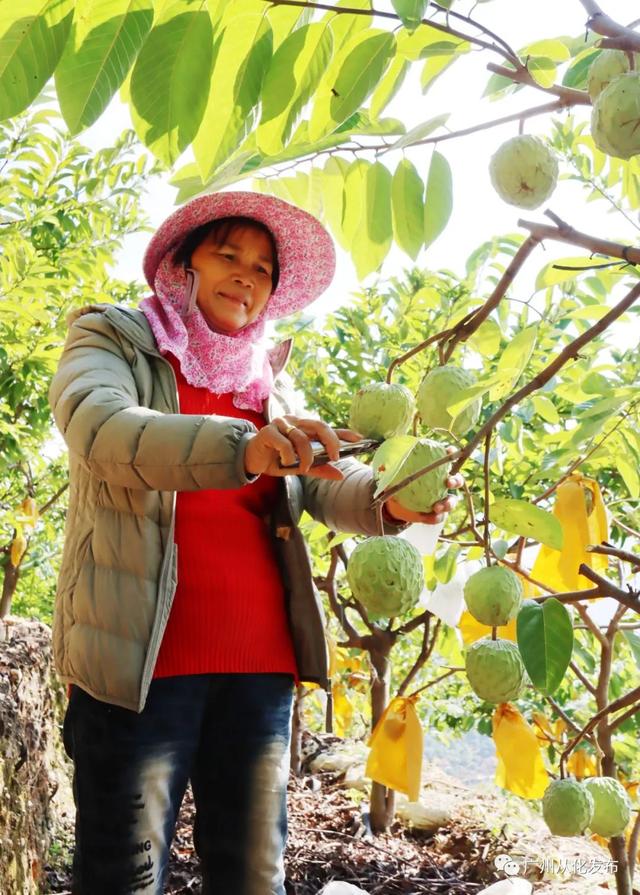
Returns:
(495, 669)
(611, 806)
(386, 574)
(441, 387)
(567, 807)
(615, 117)
(429, 488)
(524, 171)
(493, 595)
(606, 67)
(381, 410)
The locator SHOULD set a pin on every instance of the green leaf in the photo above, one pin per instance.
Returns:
(545, 641)
(358, 67)
(514, 359)
(104, 42)
(333, 196)
(577, 73)
(391, 82)
(438, 201)
(444, 567)
(550, 275)
(407, 206)
(499, 86)
(486, 339)
(371, 244)
(339, 539)
(355, 194)
(418, 133)
(345, 27)
(391, 455)
(545, 408)
(32, 37)
(542, 70)
(176, 55)
(633, 640)
(526, 519)
(294, 74)
(410, 12)
(555, 50)
(629, 473)
(243, 56)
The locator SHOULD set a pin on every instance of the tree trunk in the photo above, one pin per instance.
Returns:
(383, 799)
(34, 772)
(9, 584)
(617, 845)
(297, 726)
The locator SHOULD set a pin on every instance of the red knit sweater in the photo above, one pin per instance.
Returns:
(228, 613)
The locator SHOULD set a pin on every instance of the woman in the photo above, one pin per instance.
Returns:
(185, 611)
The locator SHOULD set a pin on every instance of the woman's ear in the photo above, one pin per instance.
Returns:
(191, 291)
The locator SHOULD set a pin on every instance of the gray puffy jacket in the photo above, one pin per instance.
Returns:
(115, 401)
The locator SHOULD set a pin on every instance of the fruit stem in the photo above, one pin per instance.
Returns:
(380, 519)
(494, 633)
(487, 495)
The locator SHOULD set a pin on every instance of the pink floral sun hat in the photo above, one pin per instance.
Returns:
(235, 362)
(306, 254)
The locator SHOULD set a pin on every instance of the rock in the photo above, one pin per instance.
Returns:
(430, 812)
(514, 886)
(339, 888)
(340, 758)
(34, 773)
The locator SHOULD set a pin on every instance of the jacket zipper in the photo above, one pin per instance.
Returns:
(154, 643)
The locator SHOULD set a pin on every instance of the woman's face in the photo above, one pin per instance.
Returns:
(235, 278)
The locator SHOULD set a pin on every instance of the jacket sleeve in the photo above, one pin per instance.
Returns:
(96, 407)
(346, 505)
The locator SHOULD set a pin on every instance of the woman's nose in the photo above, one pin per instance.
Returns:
(244, 276)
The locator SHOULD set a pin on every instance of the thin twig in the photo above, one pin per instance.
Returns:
(617, 704)
(487, 494)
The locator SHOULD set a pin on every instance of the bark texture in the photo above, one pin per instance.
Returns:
(34, 771)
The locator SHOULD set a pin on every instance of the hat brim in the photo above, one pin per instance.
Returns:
(306, 253)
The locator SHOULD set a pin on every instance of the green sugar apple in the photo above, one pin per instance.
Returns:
(439, 388)
(380, 410)
(430, 488)
(615, 117)
(567, 807)
(606, 67)
(494, 669)
(386, 574)
(611, 806)
(493, 595)
(524, 171)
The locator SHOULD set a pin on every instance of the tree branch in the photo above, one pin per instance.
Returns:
(571, 351)
(582, 678)
(600, 23)
(567, 96)
(607, 588)
(614, 706)
(446, 29)
(420, 660)
(607, 550)
(564, 233)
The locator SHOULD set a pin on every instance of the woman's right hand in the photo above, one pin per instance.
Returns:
(287, 440)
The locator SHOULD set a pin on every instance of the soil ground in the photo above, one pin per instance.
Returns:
(329, 840)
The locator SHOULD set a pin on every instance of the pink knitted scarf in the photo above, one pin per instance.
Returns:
(220, 362)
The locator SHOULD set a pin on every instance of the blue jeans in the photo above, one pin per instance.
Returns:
(229, 735)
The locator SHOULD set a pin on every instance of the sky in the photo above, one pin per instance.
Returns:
(478, 212)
